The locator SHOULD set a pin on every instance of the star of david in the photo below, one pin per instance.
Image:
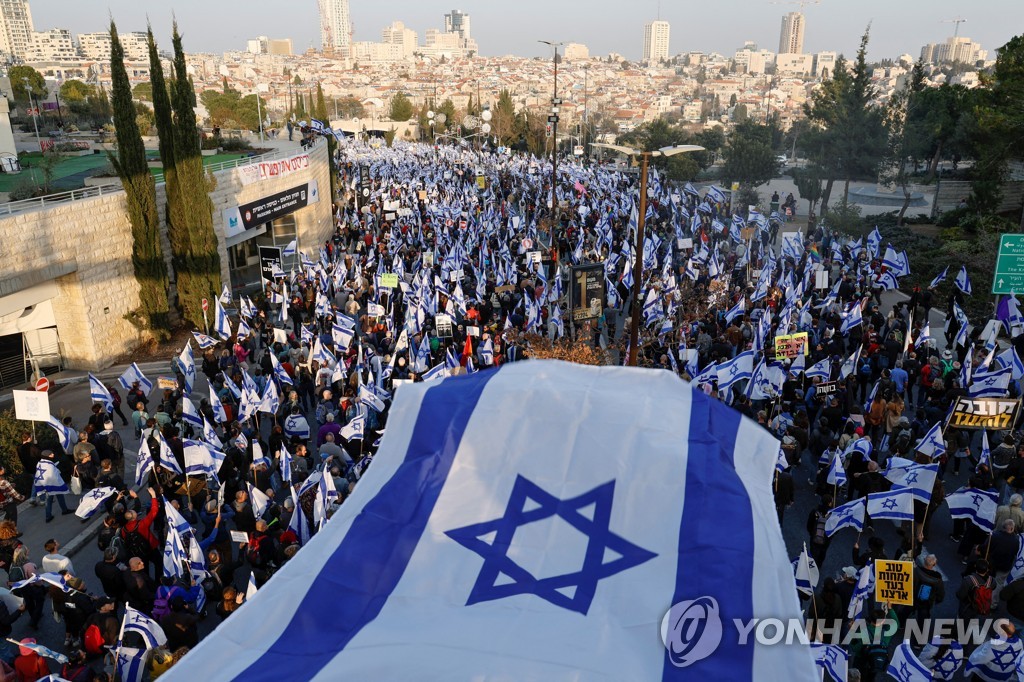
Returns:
(904, 672)
(997, 657)
(889, 504)
(553, 588)
(732, 370)
(946, 665)
(976, 500)
(844, 512)
(911, 478)
(1019, 563)
(830, 655)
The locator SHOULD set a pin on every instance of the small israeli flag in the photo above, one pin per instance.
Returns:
(221, 323)
(99, 393)
(133, 374)
(92, 500)
(962, 281)
(48, 479)
(905, 666)
(138, 622)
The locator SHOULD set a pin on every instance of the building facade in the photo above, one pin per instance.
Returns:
(791, 39)
(96, 46)
(397, 34)
(16, 29)
(55, 45)
(656, 40)
(335, 27)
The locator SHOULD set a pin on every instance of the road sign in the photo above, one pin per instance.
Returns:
(43, 385)
(206, 305)
(1009, 275)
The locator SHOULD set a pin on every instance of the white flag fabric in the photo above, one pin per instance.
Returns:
(849, 514)
(174, 554)
(896, 504)
(137, 621)
(133, 374)
(99, 393)
(995, 660)
(905, 666)
(831, 658)
(978, 506)
(92, 500)
(48, 479)
(450, 541)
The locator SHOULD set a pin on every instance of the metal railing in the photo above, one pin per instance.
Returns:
(22, 205)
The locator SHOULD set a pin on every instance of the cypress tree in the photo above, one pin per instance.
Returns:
(193, 241)
(300, 108)
(140, 188)
(321, 106)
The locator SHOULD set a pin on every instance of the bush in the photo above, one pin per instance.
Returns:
(209, 142)
(845, 217)
(235, 144)
(10, 438)
(953, 218)
(26, 189)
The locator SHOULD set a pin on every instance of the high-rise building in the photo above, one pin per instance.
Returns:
(791, 40)
(398, 34)
(279, 46)
(825, 64)
(656, 35)
(955, 49)
(259, 45)
(335, 27)
(457, 21)
(15, 29)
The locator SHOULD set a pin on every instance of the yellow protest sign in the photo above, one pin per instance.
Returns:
(388, 280)
(894, 582)
(791, 345)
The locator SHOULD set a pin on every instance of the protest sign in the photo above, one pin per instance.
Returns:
(894, 582)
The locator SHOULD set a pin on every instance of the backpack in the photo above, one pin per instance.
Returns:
(135, 545)
(874, 658)
(118, 543)
(981, 595)
(92, 640)
(162, 603)
(253, 554)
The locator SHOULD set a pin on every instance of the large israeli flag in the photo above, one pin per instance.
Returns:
(460, 539)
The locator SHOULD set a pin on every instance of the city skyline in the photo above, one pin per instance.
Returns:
(216, 26)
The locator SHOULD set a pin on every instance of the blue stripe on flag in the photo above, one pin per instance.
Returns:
(360, 575)
(712, 563)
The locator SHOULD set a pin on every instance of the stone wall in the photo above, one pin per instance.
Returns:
(85, 246)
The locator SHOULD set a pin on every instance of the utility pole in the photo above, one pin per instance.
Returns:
(32, 106)
(553, 120)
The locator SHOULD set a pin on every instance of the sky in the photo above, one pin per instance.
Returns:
(897, 26)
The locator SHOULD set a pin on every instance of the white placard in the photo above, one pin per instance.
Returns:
(686, 243)
(32, 405)
(821, 279)
(280, 336)
(533, 256)
(240, 537)
(473, 331)
(455, 275)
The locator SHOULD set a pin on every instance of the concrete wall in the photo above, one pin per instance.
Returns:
(85, 247)
(950, 192)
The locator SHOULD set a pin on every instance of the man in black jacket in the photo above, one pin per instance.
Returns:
(929, 588)
(110, 574)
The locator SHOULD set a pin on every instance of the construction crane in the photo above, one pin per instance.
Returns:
(802, 3)
(957, 21)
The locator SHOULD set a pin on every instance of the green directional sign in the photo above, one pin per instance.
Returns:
(1009, 277)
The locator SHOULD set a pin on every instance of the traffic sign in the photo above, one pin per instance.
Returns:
(43, 385)
(206, 305)
(1009, 275)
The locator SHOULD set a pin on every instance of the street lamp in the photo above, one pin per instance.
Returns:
(430, 122)
(553, 120)
(638, 261)
(32, 106)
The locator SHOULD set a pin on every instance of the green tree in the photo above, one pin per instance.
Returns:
(659, 133)
(749, 159)
(190, 227)
(75, 91)
(320, 111)
(18, 75)
(140, 190)
(47, 165)
(349, 107)
(808, 185)
(99, 104)
(401, 108)
(300, 107)
(448, 109)
(902, 139)
(713, 141)
(504, 117)
(739, 113)
(161, 111)
(143, 91)
(1000, 126)
(853, 135)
